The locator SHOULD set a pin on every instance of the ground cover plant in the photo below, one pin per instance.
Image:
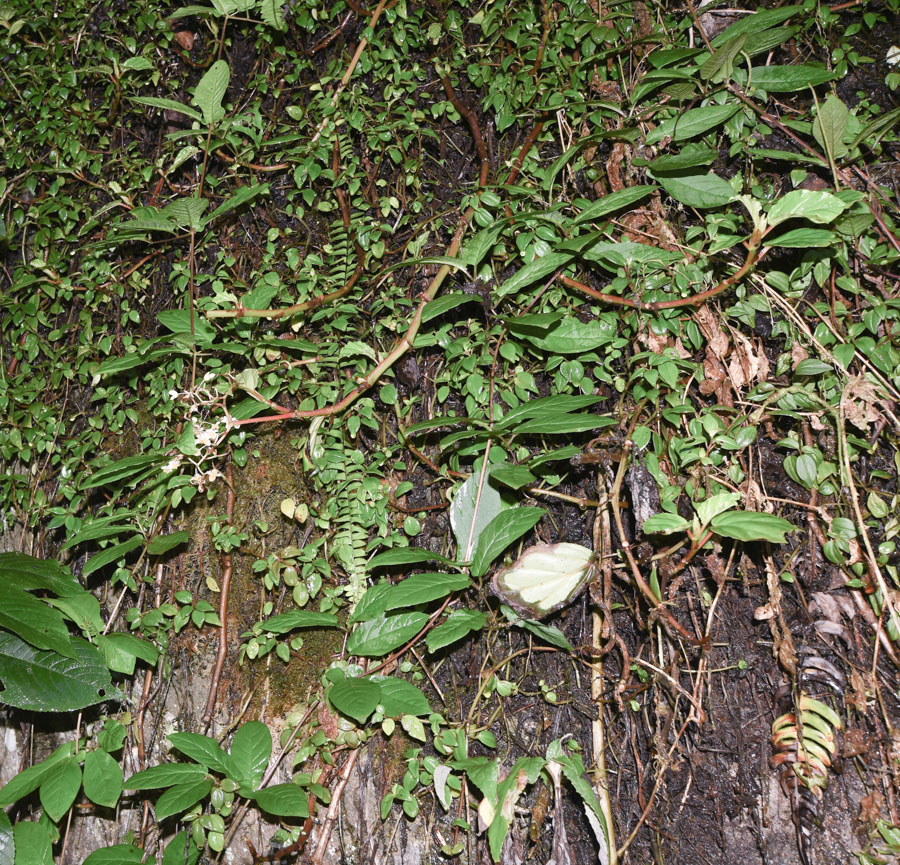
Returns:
(457, 431)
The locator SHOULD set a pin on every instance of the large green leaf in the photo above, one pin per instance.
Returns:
(251, 749)
(815, 205)
(546, 408)
(210, 92)
(665, 524)
(119, 854)
(355, 698)
(30, 779)
(181, 797)
(696, 189)
(537, 269)
(102, 778)
(284, 800)
(165, 775)
(32, 842)
(569, 335)
(611, 203)
(692, 122)
(831, 125)
(110, 555)
(33, 621)
(181, 851)
(284, 622)
(406, 556)
(752, 526)
(505, 528)
(456, 626)
(168, 105)
(59, 789)
(205, 750)
(422, 588)
(49, 682)
(508, 792)
(244, 195)
(379, 637)
(401, 698)
(788, 79)
(29, 573)
(121, 470)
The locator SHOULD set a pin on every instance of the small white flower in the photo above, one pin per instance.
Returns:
(172, 465)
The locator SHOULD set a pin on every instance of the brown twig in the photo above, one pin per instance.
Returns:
(227, 568)
(332, 815)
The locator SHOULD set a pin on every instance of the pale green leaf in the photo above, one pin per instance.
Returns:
(500, 532)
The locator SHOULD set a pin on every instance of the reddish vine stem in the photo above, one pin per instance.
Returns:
(752, 257)
(332, 815)
(227, 568)
(469, 116)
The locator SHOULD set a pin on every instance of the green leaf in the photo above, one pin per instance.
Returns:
(562, 424)
(181, 851)
(547, 633)
(28, 573)
(110, 555)
(355, 698)
(27, 781)
(60, 787)
(205, 750)
(751, 526)
(186, 212)
(7, 841)
(120, 470)
(537, 269)
(812, 366)
(815, 205)
(830, 126)
(284, 622)
(692, 156)
(514, 477)
(692, 122)
(32, 843)
(284, 800)
(467, 521)
(406, 556)
(715, 505)
(121, 650)
(546, 408)
(695, 189)
(167, 105)
(422, 588)
(443, 305)
(166, 775)
(719, 66)
(401, 698)
(500, 532)
(102, 778)
(569, 335)
(244, 195)
(179, 322)
(48, 682)
(758, 22)
(613, 202)
(163, 543)
(456, 626)
(119, 854)
(573, 769)
(179, 798)
(380, 637)
(210, 92)
(251, 749)
(788, 79)
(373, 603)
(665, 524)
(33, 621)
(801, 238)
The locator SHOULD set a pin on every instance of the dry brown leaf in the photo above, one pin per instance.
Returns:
(185, 39)
(747, 364)
(716, 339)
(858, 402)
(713, 374)
(870, 808)
(798, 353)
